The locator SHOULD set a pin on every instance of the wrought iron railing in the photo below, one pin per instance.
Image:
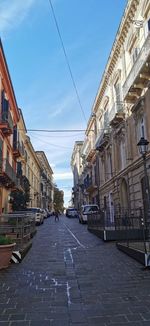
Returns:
(17, 146)
(8, 170)
(19, 226)
(119, 219)
(6, 117)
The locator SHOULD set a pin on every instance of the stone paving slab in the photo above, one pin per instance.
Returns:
(70, 277)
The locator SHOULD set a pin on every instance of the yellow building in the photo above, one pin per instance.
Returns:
(33, 174)
(47, 186)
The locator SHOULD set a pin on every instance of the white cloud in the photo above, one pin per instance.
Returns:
(61, 106)
(63, 176)
(13, 12)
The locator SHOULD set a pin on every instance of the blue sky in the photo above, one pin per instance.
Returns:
(39, 73)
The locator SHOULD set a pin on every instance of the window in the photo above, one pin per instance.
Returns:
(134, 54)
(117, 88)
(147, 28)
(148, 24)
(123, 154)
(109, 165)
(141, 131)
(106, 119)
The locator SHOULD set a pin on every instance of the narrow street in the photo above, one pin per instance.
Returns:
(70, 277)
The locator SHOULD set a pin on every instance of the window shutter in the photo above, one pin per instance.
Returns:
(2, 100)
(106, 119)
(148, 25)
(5, 109)
(15, 137)
(19, 169)
(1, 144)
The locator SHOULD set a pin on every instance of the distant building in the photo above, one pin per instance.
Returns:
(47, 186)
(33, 174)
(76, 164)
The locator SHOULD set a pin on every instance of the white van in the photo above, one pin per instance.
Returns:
(85, 210)
(37, 212)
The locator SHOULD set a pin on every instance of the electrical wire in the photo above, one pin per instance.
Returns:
(56, 130)
(54, 145)
(67, 60)
(67, 130)
(57, 136)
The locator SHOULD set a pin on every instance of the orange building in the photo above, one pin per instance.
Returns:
(9, 117)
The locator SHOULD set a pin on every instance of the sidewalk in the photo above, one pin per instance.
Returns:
(70, 277)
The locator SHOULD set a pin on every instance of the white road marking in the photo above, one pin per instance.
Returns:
(80, 244)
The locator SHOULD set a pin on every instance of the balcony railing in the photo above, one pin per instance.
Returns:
(6, 118)
(6, 168)
(103, 137)
(17, 148)
(87, 182)
(137, 66)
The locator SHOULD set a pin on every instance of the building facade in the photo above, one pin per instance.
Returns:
(9, 117)
(120, 117)
(76, 165)
(33, 174)
(46, 182)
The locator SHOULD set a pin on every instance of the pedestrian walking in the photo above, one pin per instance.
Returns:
(56, 216)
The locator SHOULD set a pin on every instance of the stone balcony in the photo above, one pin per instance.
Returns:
(139, 74)
(102, 139)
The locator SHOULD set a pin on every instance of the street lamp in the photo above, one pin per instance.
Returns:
(143, 146)
(98, 175)
(143, 149)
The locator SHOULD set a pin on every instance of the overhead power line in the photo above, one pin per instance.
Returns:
(67, 60)
(50, 144)
(56, 130)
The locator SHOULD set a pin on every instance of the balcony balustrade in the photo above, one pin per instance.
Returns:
(117, 113)
(139, 74)
(17, 149)
(6, 123)
(90, 184)
(8, 176)
(102, 139)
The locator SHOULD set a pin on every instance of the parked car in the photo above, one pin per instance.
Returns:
(86, 210)
(39, 217)
(71, 212)
(44, 212)
(47, 212)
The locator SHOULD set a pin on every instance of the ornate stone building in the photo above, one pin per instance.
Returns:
(120, 117)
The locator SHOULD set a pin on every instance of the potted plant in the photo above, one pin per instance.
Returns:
(6, 247)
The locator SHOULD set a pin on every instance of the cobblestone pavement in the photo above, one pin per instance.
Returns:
(70, 277)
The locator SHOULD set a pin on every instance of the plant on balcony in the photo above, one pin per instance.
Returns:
(6, 248)
(20, 199)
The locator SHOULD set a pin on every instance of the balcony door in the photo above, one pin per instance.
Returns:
(111, 207)
(145, 196)
(124, 195)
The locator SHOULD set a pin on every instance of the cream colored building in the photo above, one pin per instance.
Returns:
(47, 186)
(120, 117)
(33, 174)
(76, 164)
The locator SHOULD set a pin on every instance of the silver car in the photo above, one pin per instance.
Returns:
(86, 210)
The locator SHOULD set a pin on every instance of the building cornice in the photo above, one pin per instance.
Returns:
(123, 29)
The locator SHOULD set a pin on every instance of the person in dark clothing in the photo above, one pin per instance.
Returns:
(56, 216)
